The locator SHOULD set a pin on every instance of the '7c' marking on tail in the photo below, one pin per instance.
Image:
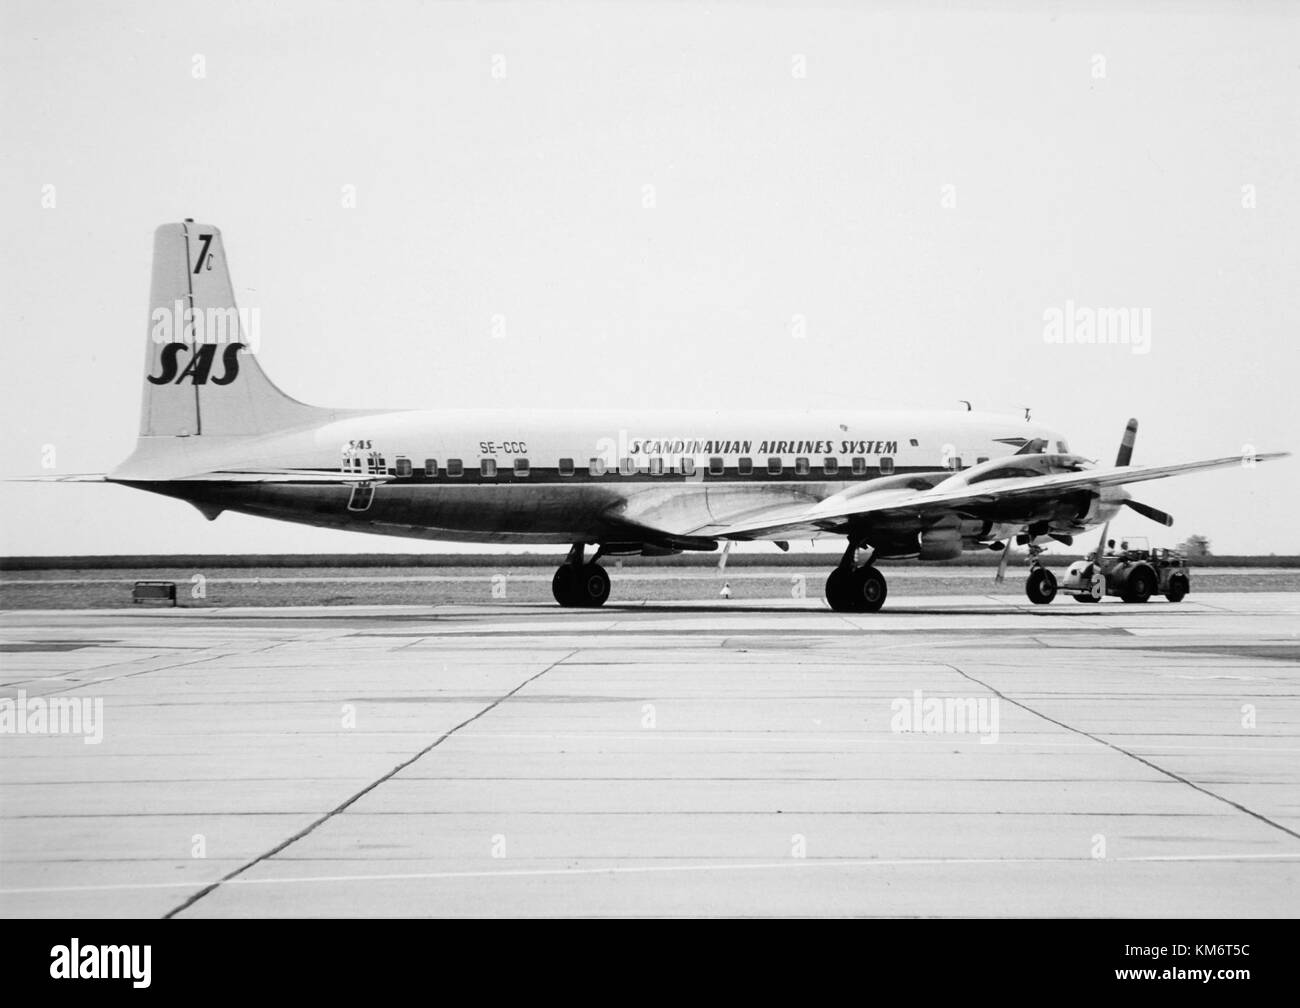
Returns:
(203, 252)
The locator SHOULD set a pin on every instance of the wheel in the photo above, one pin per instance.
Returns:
(563, 585)
(591, 587)
(859, 590)
(586, 586)
(1040, 586)
(839, 590)
(1086, 598)
(869, 589)
(1178, 588)
(1139, 585)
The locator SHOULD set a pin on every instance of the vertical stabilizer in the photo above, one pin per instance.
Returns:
(201, 370)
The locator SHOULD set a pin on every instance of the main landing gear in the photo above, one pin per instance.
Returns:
(855, 589)
(580, 584)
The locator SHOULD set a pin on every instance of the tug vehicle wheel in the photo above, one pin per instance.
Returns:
(1139, 585)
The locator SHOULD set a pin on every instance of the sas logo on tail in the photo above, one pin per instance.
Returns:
(199, 367)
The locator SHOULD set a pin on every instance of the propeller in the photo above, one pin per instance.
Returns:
(1101, 543)
(1147, 511)
(1098, 586)
(1125, 456)
(1002, 563)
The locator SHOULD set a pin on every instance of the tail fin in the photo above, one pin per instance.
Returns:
(201, 371)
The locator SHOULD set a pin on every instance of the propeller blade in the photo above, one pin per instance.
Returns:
(1002, 563)
(1125, 455)
(1098, 586)
(1147, 511)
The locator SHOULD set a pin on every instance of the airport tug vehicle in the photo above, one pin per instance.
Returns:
(1134, 574)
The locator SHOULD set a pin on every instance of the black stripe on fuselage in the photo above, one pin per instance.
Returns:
(541, 476)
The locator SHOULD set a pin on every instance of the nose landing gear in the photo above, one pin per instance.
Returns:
(1040, 585)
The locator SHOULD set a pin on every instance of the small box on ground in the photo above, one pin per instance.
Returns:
(154, 591)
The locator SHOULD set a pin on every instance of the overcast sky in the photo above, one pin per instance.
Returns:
(648, 197)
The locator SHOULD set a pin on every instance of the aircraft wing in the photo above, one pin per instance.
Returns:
(833, 515)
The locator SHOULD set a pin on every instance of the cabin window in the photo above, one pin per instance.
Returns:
(716, 466)
(744, 467)
(688, 467)
(521, 468)
(830, 466)
(627, 467)
(566, 467)
(886, 466)
(596, 466)
(801, 467)
(431, 467)
(487, 468)
(455, 467)
(1063, 448)
(402, 466)
(773, 466)
(656, 466)
(914, 443)
(859, 466)
(954, 463)
(981, 460)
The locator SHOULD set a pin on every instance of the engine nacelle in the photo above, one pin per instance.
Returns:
(1105, 506)
(942, 542)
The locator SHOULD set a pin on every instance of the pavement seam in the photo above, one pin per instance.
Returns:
(84, 683)
(311, 827)
(1131, 755)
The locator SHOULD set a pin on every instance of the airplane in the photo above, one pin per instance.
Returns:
(216, 432)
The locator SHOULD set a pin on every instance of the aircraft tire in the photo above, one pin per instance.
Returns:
(563, 586)
(591, 586)
(1040, 586)
(869, 589)
(839, 590)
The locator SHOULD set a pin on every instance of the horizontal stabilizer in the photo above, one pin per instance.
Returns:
(69, 478)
